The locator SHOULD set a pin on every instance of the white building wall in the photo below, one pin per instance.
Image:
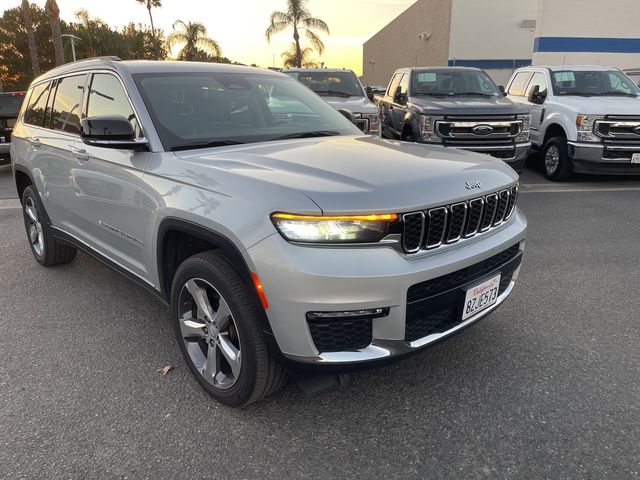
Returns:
(488, 34)
(588, 32)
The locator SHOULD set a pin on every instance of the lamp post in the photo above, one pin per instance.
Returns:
(73, 39)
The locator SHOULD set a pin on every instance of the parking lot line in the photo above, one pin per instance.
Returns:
(9, 204)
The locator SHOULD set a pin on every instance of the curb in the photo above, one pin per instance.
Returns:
(10, 204)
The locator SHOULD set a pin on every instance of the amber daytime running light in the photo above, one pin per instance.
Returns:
(333, 228)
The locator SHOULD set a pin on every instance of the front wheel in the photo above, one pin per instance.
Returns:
(556, 162)
(216, 321)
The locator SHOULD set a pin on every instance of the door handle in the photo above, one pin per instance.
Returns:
(36, 142)
(80, 154)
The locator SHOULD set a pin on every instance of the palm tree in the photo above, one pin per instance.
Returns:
(290, 57)
(53, 11)
(83, 16)
(299, 18)
(192, 36)
(150, 5)
(31, 38)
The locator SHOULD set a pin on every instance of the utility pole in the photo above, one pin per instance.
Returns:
(73, 39)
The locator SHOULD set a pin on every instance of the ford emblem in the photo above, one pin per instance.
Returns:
(482, 129)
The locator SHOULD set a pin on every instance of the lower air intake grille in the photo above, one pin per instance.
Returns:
(336, 335)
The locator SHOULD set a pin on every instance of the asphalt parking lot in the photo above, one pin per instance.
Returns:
(547, 387)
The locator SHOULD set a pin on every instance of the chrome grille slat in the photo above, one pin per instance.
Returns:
(432, 228)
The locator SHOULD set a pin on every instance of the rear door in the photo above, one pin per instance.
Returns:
(107, 182)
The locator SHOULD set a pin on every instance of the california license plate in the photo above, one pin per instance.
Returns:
(480, 297)
(635, 158)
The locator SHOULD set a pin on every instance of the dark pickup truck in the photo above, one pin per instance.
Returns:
(10, 104)
(455, 107)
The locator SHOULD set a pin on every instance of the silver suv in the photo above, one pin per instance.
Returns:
(282, 237)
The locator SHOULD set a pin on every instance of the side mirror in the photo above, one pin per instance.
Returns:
(348, 114)
(369, 92)
(536, 96)
(110, 131)
(399, 97)
(502, 90)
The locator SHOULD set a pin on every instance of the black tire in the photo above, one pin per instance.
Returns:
(560, 168)
(46, 249)
(408, 136)
(259, 374)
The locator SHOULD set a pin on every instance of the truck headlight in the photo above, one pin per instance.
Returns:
(427, 128)
(374, 122)
(333, 228)
(523, 136)
(585, 124)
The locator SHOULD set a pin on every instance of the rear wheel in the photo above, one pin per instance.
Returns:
(556, 162)
(45, 248)
(216, 322)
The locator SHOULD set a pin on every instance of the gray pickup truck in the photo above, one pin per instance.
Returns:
(455, 107)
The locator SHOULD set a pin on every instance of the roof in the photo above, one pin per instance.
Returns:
(151, 66)
(440, 69)
(328, 70)
(577, 68)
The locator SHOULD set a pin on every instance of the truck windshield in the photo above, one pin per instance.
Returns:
(453, 83)
(587, 83)
(330, 84)
(10, 104)
(218, 109)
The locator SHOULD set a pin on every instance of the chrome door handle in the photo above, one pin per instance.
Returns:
(36, 142)
(80, 153)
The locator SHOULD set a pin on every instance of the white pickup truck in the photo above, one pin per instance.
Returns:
(584, 119)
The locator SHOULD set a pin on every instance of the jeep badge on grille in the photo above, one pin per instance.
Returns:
(472, 185)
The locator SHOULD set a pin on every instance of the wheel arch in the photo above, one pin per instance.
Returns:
(22, 179)
(553, 130)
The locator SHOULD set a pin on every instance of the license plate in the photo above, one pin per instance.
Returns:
(481, 297)
(635, 158)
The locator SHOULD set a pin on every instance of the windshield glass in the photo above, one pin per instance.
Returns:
(602, 83)
(10, 105)
(453, 83)
(215, 109)
(330, 83)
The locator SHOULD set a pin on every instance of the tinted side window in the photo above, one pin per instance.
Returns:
(519, 82)
(107, 97)
(67, 104)
(394, 84)
(37, 104)
(404, 84)
(539, 80)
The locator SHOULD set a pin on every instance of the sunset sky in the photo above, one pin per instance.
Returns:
(239, 25)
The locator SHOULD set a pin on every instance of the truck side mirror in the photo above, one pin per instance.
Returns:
(536, 96)
(369, 92)
(502, 90)
(399, 97)
(348, 114)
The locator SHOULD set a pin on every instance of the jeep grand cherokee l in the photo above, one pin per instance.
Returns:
(283, 239)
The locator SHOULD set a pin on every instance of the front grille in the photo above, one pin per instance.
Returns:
(478, 128)
(336, 335)
(618, 127)
(431, 228)
(434, 306)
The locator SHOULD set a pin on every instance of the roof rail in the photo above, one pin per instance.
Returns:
(106, 58)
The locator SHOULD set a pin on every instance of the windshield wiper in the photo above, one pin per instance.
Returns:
(334, 93)
(474, 94)
(433, 94)
(215, 143)
(618, 92)
(316, 133)
(578, 94)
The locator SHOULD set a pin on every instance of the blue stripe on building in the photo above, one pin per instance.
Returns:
(490, 64)
(586, 44)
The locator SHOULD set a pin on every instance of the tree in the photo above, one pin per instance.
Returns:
(150, 4)
(290, 57)
(192, 37)
(299, 18)
(51, 7)
(31, 38)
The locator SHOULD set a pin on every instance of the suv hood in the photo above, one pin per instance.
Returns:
(600, 105)
(352, 174)
(467, 105)
(354, 104)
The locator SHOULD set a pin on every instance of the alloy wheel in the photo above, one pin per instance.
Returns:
(551, 159)
(209, 333)
(34, 227)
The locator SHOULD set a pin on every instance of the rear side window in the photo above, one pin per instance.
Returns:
(37, 104)
(519, 82)
(107, 97)
(67, 105)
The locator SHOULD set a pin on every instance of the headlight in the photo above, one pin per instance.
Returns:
(333, 229)
(427, 128)
(523, 136)
(374, 122)
(585, 124)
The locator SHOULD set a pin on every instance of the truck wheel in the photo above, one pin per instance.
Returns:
(555, 159)
(46, 249)
(217, 326)
(408, 135)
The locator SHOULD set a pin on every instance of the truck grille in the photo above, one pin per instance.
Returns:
(479, 129)
(428, 229)
(619, 128)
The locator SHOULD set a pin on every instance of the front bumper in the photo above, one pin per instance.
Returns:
(606, 159)
(299, 279)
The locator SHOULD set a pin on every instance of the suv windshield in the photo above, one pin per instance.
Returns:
(331, 84)
(453, 83)
(601, 83)
(218, 109)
